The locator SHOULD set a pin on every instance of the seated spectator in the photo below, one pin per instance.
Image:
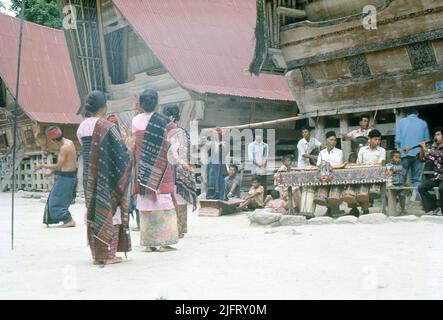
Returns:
(277, 204)
(286, 166)
(435, 156)
(232, 183)
(255, 197)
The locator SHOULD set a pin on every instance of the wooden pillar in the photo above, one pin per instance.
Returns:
(344, 128)
(252, 114)
(320, 130)
(103, 44)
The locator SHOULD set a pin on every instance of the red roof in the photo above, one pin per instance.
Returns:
(48, 91)
(207, 45)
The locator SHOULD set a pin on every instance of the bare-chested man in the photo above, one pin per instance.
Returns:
(65, 170)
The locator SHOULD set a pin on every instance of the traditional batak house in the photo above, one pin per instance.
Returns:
(338, 67)
(47, 96)
(195, 53)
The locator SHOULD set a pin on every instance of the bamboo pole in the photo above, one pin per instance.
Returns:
(16, 109)
(261, 124)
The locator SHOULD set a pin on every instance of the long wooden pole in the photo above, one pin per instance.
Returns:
(261, 124)
(16, 108)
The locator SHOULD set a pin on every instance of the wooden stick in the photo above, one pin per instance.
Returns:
(292, 13)
(261, 124)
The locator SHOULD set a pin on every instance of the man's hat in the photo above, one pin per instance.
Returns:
(53, 133)
(331, 134)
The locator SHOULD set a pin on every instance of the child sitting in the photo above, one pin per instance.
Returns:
(276, 204)
(296, 194)
(232, 183)
(395, 170)
(255, 196)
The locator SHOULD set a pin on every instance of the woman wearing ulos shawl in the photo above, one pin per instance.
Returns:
(106, 166)
(154, 175)
(184, 173)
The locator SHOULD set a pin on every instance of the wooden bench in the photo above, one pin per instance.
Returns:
(392, 199)
(216, 208)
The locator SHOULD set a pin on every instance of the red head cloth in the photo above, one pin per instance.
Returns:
(113, 118)
(53, 133)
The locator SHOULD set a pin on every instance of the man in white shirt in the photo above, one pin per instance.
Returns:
(363, 131)
(335, 157)
(305, 147)
(373, 153)
(331, 154)
(258, 153)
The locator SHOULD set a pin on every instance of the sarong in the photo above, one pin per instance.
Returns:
(158, 219)
(107, 176)
(216, 181)
(185, 182)
(60, 198)
(100, 251)
(216, 176)
(182, 218)
(158, 228)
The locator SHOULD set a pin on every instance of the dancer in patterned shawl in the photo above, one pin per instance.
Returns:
(184, 173)
(154, 174)
(105, 180)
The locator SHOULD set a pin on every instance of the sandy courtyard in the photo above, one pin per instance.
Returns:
(225, 258)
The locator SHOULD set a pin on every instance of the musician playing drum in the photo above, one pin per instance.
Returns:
(334, 157)
(369, 155)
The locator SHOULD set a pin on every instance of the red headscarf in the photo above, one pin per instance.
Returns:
(53, 133)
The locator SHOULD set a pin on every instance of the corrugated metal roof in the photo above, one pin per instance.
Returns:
(207, 45)
(48, 91)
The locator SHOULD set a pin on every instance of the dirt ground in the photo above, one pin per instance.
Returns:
(225, 258)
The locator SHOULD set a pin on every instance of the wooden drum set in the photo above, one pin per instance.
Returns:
(351, 185)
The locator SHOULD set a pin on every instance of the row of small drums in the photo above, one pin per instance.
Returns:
(335, 195)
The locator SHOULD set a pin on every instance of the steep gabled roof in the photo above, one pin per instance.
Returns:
(206, 45)
(48, 91)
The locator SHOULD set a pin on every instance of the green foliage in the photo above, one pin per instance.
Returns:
(44, 12)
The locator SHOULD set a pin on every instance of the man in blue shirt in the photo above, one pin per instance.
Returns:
(411, 131)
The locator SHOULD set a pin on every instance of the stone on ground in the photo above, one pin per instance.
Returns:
(373, 218)
(26, 195)
(347, 220)
(408, 218)
(264, 217)
(320, 220)
(289, 220)
(37, 195)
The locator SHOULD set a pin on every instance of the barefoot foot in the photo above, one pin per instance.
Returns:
(167, 249)
(70, 224)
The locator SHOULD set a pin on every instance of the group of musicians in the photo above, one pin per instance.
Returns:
(366, 151)
(312, 152)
